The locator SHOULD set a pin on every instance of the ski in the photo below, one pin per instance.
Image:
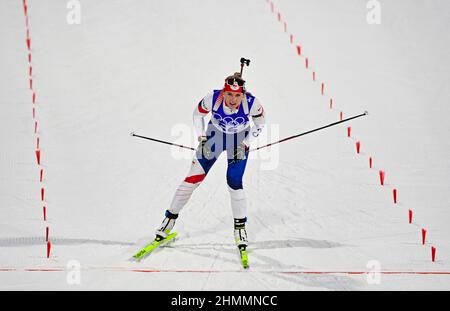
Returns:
(152, 246)
(244, 257)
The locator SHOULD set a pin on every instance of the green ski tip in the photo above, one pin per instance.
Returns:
(152, 246)
(244, 257)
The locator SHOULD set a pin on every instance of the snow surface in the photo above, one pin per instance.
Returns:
(143, 65)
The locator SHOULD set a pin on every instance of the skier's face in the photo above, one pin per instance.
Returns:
(233, 99)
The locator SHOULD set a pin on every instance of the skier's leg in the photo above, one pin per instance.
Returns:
(199, 169)
(183, 193)
(235, 173)
(201, 164)
(196, 175)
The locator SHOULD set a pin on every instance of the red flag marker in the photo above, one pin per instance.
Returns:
(28, 43)
(35, 127)
(29, 57)
(322, 88)
(370, 162)
(42, 194)
(433, 253)
(349, 131)
(410, 216)
(341, 115)
(292, 38)
(30, 71)
(331, 103)
(424, 236)
(46, 234)
(31, 84)
(394, 193)
(306, 63)
(25, 9)
(37, 143)
(382, 175)
(279, 17)
(358, 147)
(41, 175)
(34, 98)
(45, 213)
(314, 76)
(49, 247)
(299, 49)
(38, 156)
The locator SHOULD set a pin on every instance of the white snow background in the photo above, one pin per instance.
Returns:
(315, 218)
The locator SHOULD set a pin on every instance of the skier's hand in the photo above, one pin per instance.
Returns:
(204, 149)
(240, 152)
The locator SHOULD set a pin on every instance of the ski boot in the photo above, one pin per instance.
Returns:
(240, 237)
(240, 234)
(166, 226)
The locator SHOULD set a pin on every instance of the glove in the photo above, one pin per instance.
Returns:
(240, 152)
(203, 148)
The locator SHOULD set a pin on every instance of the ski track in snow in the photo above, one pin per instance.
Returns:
(314, 222)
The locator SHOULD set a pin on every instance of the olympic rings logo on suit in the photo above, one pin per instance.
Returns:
(230, 124)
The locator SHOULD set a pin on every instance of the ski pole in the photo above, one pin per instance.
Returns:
(261, 147)
(311, 131)
(161, 141)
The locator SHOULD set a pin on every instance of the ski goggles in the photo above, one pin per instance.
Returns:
(232, 81)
